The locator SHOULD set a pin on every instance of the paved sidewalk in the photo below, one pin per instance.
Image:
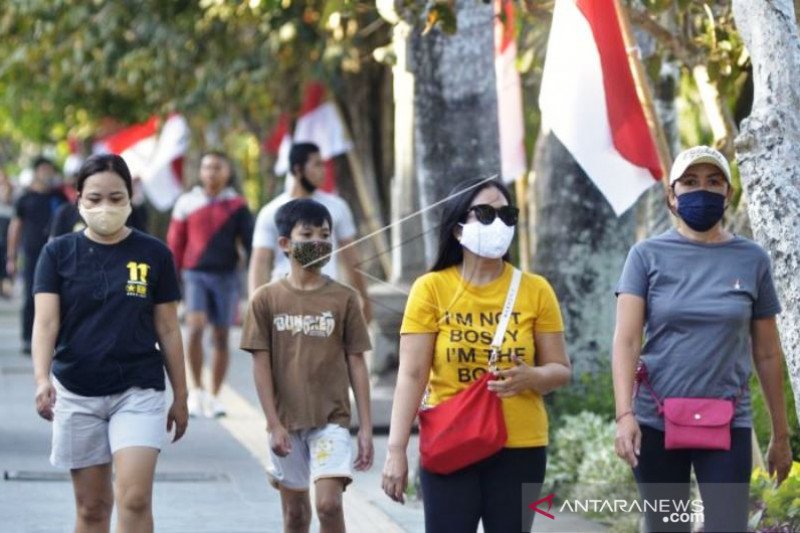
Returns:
(209, 482)
(212, 481)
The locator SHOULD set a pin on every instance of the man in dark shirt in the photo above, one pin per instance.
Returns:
(28, 233)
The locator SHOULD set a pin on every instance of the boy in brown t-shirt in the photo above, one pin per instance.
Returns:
(308, 338)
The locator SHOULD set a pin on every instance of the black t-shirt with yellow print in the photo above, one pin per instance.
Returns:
(107, 338)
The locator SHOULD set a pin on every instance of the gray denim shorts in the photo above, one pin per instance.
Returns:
(88, 430)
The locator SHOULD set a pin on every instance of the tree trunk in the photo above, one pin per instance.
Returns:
(455, 108)
(768, 158)
(362, 109)
(580, 247)
(445, 131)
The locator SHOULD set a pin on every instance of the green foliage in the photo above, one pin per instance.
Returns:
(231, 66)
(582, 465)
(775, 509)
(591, 391)
(69, 63)
(571, 441)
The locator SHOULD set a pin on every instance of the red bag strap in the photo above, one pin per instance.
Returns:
(641, 377)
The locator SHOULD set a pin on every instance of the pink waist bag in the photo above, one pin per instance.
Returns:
(700, 423)
(697, 423)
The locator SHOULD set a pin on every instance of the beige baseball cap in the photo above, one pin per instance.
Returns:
(696, 155)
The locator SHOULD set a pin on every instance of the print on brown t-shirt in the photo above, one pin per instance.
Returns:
(308, 335)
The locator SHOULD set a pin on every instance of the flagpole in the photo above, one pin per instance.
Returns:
(644, 92)
(521, 184)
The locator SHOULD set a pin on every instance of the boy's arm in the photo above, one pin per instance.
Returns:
(359, 381)
(262, 374)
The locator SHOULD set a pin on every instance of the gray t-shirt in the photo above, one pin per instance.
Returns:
(699, 302)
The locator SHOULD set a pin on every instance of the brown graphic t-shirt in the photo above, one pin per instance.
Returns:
(308, 335)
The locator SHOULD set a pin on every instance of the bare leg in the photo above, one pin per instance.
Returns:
(94, 498)
(135, 469)
(221, 358)
(329, 505)
(296, 507)
(196, 322)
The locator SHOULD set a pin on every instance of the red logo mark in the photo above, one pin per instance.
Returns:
(549, 499)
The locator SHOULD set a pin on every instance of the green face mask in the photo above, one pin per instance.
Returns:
(308, 252)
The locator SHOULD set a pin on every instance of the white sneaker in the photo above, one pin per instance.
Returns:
(214, 407)
(196, 402)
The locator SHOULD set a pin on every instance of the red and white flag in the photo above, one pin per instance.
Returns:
(589, 101)
(509, 94)
(319, 123)
(154, 156)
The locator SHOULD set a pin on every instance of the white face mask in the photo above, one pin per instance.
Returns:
(105, 219)
(487, 240)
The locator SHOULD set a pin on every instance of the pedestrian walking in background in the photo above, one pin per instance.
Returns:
(6, 213)
(107, 327)
(209, 226)
(445, 345)
(705, 300)
(308, 336)
(269, 263)
(28, 233)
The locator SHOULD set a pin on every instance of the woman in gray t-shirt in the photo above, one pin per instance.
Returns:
(707, 305)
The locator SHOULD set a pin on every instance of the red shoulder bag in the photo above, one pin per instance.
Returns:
(470, 426)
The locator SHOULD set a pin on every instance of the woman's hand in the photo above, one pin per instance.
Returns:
(179, 417)
(779, 457)
(512, 381)
(628, 442)
(395, 474)
(45, 399)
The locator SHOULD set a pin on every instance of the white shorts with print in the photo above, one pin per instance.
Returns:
(88, 430)
(317, 453)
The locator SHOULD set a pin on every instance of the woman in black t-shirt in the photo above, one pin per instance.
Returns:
(106, 326)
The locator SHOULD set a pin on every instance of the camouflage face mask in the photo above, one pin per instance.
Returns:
(308, 252)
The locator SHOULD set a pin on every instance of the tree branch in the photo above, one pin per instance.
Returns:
(537, 10)
(687, 54)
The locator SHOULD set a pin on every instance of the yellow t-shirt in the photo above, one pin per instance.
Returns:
(464, 317)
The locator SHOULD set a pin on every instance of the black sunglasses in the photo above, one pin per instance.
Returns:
(486, 214)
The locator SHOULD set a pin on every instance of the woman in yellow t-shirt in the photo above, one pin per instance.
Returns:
(450, 319)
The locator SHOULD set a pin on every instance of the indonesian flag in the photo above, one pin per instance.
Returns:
(319, 123)
(589, 101)
(154, 156)
(509, 94)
